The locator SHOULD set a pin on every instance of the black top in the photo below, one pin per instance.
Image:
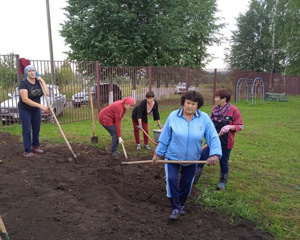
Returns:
(218, 125)
(34, 93)
(140, 111)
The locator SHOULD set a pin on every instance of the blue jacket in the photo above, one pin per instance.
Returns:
(182, 140)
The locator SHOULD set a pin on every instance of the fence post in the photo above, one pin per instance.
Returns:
(235, 73)
(150, 78)
(98, 85)
(18, 68)
(215, 85)
(134, 82)
(187, 79)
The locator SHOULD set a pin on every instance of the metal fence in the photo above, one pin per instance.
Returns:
(107, 84)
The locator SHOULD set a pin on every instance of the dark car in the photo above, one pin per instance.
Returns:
(105, 91)
(83, 97)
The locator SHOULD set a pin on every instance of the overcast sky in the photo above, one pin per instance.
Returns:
(24, 28)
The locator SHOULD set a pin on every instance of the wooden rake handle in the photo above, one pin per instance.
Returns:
(168, 161)
(125, 153)
(205, 146)
(149, 137)
(92, 109)
(59, 127)
(164, 161)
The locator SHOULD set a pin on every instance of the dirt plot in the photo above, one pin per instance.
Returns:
(47, 197)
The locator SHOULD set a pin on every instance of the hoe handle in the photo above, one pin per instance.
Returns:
(164, 161)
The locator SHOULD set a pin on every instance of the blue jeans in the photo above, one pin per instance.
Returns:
(114, 137)
(31, 124)
(224, 161)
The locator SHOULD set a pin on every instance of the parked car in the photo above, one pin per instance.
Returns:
(83, 97)
(181, 88)
(9, 109)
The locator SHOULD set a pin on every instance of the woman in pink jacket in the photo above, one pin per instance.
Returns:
(110, 118)
(227, 120)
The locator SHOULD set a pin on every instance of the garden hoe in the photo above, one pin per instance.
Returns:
(165, 161)
(151, 140)
(168, 161)
(61, 131)
(94, 139)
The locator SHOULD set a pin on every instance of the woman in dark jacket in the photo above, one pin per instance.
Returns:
(227, 120)
(140, 118)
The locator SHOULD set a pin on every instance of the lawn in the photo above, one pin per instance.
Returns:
(264, 182)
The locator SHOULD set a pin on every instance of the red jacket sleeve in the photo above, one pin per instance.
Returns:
(118, 112)
(238, 122)
(112, 115)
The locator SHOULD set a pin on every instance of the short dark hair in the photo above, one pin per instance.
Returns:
(150, 94)
(194, 96)
(223, 93)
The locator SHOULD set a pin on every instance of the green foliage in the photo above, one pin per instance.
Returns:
(8, 71)
(292, 31)
(264, 184)
(141, 33)
(264, 170)
(267, 38)
(64, 73)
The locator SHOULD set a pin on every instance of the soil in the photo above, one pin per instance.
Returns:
(49, 197)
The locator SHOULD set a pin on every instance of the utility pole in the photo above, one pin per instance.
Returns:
(50, 43)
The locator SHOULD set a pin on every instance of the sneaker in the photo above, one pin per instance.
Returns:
(37, 150)
(181, 210)
(147, 147)
(221, 186)
(175, 214)
(115, 153)
(28, 154)
(138, 146)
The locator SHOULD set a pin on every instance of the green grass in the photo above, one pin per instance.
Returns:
(264, 182)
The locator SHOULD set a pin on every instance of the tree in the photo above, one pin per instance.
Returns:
(66, 73)
(141, 32)
(250, 43)
(292, 32)
(267, 38)
(8, 69)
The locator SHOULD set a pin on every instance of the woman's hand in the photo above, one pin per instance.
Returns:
(155, 158)
(45, 109)
(212, 160)
(39, 78)
(225, 129)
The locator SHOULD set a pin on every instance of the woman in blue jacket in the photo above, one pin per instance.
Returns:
(181, 139)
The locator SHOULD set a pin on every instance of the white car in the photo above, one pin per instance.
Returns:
(83, 97)
(9, 109)
(181, 88)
